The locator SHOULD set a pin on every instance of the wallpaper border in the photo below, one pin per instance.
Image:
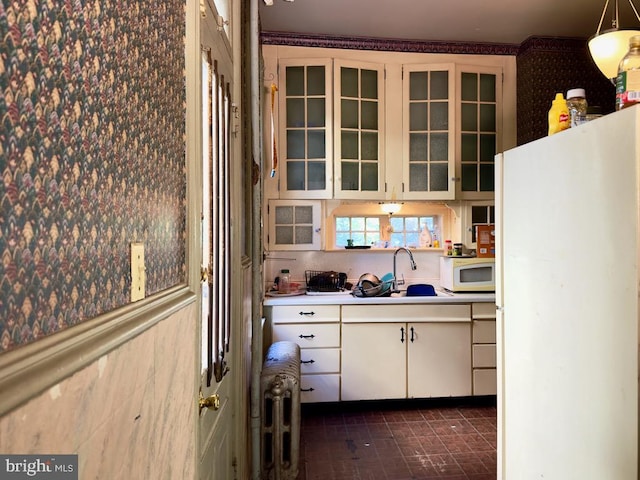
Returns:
(35, 367)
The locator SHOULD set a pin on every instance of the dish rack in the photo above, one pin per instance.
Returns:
(323, 281)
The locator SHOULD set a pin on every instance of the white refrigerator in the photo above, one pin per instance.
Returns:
(567, 219)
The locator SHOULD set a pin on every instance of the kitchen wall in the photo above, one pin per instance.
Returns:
(93, 158)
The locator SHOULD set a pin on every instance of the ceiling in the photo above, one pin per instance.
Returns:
(477, 21)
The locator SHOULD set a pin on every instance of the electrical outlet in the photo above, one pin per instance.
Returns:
(138, 276)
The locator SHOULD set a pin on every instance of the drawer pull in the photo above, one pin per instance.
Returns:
(308, 361)
(309, 314)
(412, 335)
(402, 334)
(307, 336)
(307, 389)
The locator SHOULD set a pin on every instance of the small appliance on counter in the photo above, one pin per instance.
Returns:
(468, 274)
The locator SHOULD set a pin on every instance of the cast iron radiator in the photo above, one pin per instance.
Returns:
(280, 427)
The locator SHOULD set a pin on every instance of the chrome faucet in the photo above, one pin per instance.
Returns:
(396, 283)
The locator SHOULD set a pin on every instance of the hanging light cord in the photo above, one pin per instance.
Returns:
(615, 24)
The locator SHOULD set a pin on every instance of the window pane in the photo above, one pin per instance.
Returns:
(487, 87)
(418, 146)
(349, 113)
(487, 148)
(316, 139)
(439, 85)
(418, 83)
(439, 177)
(417, 116)
(488, 118)
(369, 118)
(284, 235)
(357, 223)
(469, 117)
(418, 177)
(479, 214)
(295, 112)
(369, 146)
(439, 119)
(343, 223)
(284, 215)
(411, 224)
(350, 176)
(349, 82)
(349, 145)
(469, 178)
(372, 223)
(316, 179)
(315, 80)
(397, 223)
(315, 112)
(439, 146)
(469, 87)
(304, 214)
(486, 177)
(369, 176)
(369, 84)
(295, 177)
(295, 144)
(469, 149)
(295, 81)
(304, 234)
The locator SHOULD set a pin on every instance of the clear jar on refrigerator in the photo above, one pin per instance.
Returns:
(628, 81)
(577, 105)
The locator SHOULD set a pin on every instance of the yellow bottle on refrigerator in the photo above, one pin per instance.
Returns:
(559, 115)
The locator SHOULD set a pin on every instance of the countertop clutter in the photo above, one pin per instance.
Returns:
(345, 298)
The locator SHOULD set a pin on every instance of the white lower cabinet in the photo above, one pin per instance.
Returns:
(428, 354)
(484, 349)
(316, 328)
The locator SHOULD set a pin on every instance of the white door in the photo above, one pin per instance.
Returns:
(215, 439)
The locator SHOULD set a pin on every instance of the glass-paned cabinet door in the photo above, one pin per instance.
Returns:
(305, 132)
(294, 225)
(480, 129)
(428, 130)
(359, 122)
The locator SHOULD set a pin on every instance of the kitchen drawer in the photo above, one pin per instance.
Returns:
(486, 311)
(484, 356)
(309, 335)
(484, 381)
(484, 331)
(320, 388)
(319, 360)
(305, 313)
(406, 313)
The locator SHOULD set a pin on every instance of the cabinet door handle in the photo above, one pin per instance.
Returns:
(412, 335)
(402, 334)
(307, 389)
(308, 361)
(309, 314)
(307, 336)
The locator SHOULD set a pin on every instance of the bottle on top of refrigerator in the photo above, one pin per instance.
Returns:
(577, 105)
(558, 115)
(628, 80)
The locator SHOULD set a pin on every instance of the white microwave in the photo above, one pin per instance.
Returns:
(468, 274)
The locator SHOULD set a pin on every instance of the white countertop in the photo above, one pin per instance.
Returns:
(348, 299)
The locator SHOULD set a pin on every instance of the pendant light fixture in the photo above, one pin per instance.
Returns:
(608, 48)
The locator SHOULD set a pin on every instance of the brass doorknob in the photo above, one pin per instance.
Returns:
(212, 402)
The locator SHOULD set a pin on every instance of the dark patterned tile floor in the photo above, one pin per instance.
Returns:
(412, 440)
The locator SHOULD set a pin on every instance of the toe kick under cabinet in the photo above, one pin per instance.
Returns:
(316, 328)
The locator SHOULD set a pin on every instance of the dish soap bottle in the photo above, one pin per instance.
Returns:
(628, 81)
(425, 237)
(559, 115)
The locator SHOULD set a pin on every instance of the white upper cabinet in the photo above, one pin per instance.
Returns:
(305, 133)
(479, 130)
(428, 132)
(359, 122)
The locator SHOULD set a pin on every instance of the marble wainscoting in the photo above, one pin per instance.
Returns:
(131, 414)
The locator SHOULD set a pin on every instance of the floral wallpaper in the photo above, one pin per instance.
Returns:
(92, 157)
